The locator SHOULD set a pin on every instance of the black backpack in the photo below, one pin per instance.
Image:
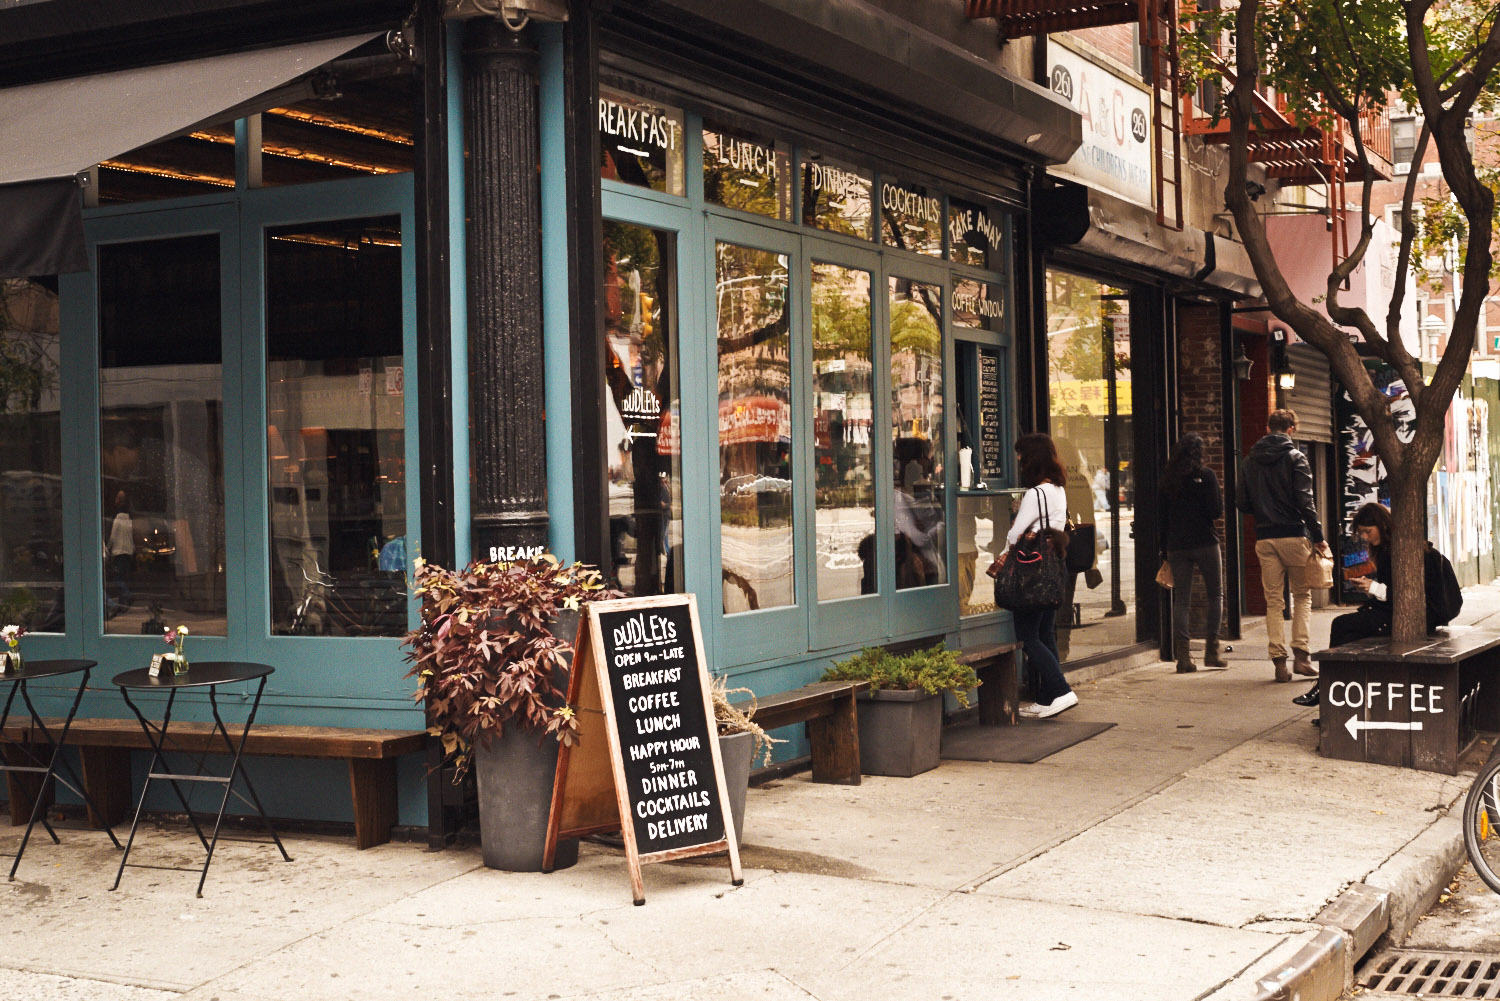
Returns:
(1445, 599)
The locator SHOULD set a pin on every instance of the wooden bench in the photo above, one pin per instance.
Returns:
(104, 747)
(827, 707)
(1418, 705)
(999, 683)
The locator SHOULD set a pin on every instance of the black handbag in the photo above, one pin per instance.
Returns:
(1034, 574)
(1080, 547)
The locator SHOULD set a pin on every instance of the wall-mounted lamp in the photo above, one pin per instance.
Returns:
(1242, 364)
(1281, 363)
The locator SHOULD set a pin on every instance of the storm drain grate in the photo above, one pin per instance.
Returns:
(1433, 975)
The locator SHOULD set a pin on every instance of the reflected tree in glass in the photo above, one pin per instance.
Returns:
(917, 433)
(755, 428)
(843, 383)
(643, 410)
(31, 544)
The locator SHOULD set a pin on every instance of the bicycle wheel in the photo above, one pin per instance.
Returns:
(1481, 820)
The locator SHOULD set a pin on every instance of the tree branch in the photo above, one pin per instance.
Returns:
(1403, 255)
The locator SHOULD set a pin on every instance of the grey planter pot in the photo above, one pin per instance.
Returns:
(900, 733)
(515, 775)
(737, 751)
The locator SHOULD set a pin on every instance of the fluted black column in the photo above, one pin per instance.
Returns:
(507, 442)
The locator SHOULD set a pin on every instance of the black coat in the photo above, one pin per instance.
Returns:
(1276, 487)
(1188, 514)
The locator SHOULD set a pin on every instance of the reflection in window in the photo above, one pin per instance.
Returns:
(161, 446)
(31, 545)
(974, 237)
(917, 432)
(741, 172)
(755, 428)
(911, 218)
(836, 198)
(335, 429)
(640, 143)
(643, 410)
(1090, 401)
(983, 521)
(843, 381)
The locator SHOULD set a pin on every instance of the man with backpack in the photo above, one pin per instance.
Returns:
(1276, 488)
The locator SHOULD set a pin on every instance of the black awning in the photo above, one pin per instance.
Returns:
(43, 232)
(61, 128)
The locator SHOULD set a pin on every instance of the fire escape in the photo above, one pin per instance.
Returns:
(1157, 20)
(1319, 153)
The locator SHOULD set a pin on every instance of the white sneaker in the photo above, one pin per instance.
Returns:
(1057, 705)
(1028, 709)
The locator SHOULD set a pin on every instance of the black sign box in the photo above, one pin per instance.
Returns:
(664, 733)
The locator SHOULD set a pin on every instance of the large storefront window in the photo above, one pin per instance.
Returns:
(335, 429)
(755, 428)
(31, 529)
(916, 312)
(161, 451)
(1088, 355)
(643, 409)
(843, 387)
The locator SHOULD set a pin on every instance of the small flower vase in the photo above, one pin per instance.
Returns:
(179, 663)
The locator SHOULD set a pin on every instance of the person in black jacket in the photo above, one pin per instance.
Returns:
(1276, 487)
(1190, 502)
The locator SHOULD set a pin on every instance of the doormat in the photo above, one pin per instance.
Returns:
(1026, 743)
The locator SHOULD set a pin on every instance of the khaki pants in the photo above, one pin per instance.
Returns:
(1285, 560)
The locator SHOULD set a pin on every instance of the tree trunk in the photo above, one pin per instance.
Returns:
(1408, 587)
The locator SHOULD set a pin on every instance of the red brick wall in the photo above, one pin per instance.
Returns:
(1116, 41)
(1257, 400)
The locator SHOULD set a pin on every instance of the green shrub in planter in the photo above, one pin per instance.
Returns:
(934, 671)
(901, 718)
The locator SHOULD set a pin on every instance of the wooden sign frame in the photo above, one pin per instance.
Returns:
(589, 793)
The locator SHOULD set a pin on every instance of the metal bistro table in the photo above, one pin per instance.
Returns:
(35, 670)
(209, 675)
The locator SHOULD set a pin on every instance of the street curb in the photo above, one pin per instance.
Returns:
(1385, 907)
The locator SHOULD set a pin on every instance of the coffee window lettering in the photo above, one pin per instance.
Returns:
(975, 237)
(911, 218)
(640, 143)
(978, 305)
(836, 198)
(745, 172)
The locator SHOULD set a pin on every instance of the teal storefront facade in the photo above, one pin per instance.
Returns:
(764, 337)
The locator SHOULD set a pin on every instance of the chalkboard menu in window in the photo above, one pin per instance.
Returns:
(647, 760)
(991, 450)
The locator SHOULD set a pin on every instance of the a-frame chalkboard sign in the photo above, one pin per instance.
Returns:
(647, 759)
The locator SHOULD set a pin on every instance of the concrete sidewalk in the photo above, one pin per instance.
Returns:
(1186, 853)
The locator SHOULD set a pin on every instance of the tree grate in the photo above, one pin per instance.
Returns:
(1432, 975)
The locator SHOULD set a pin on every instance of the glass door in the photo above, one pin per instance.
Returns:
(162, 307)
(1090, 393)
(331, 511)
(919, 360)
(761, 475)
(843, 388)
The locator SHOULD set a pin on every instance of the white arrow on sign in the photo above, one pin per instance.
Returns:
(1355, 724)
(641, 434)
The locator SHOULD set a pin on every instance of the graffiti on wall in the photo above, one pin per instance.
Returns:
(1460, 520)
(1364, 473)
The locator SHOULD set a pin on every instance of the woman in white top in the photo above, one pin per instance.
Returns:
(1036, 628)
